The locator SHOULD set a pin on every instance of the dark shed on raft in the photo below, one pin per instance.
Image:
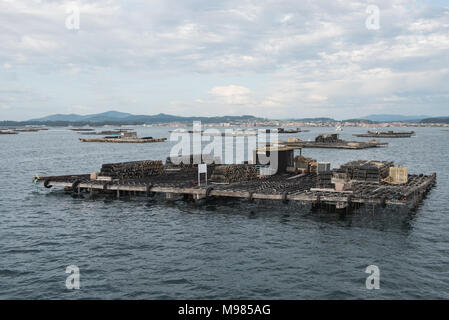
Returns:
(284, 155)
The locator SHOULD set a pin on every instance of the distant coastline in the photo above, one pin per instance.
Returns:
(115, 118)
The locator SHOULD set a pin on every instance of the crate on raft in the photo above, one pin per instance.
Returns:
(369, 171)
(398, 175)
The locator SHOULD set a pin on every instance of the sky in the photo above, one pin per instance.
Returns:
(275, 59)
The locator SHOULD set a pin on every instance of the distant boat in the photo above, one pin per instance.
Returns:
(338, 128)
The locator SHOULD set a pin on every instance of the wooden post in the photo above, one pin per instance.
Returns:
(198, 196)
(169, 196)
(202, 168)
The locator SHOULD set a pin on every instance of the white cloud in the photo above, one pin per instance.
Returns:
(247, 11)
(291, 55)
(231, 94)
(287, 18)
(231, 90)
(317, 98)
(36, 44)
(80, 109)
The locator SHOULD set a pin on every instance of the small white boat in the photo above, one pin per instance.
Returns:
(338, 128)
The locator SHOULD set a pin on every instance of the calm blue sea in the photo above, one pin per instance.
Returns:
(140, 249)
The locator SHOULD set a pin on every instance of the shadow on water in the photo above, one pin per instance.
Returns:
(386, 219)
(382, 219)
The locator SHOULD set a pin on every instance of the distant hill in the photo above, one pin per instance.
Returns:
(393, 118)
(118, 118)
(436, 120)
(60, 117)
(367, 119)
(313, 119)
(115, 117)
(105, 116)
(359, 120)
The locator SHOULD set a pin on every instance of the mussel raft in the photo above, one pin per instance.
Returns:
(363, 184)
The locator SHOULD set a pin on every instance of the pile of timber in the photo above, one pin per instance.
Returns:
(132, 170)
(190, 160)
(324, 180)
(234, 173)
(369, 171)
(283, 130)
(328, 138)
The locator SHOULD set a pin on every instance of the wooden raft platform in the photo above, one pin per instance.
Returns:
(122, 140)
(388, 134)
(354, 145)
(175, 182)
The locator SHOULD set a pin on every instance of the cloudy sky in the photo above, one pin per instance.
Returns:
(277, 59)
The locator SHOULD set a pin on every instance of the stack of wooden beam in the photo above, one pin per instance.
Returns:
(328, 138)
(369, 171)
(324, 180)
(192, 159)
(132, 170)
(234, 173)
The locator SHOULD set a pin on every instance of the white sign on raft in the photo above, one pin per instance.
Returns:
(202, 168)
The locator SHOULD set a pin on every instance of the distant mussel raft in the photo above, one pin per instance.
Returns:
(124, 137)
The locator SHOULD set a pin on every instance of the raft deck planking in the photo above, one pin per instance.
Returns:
(364, 193)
